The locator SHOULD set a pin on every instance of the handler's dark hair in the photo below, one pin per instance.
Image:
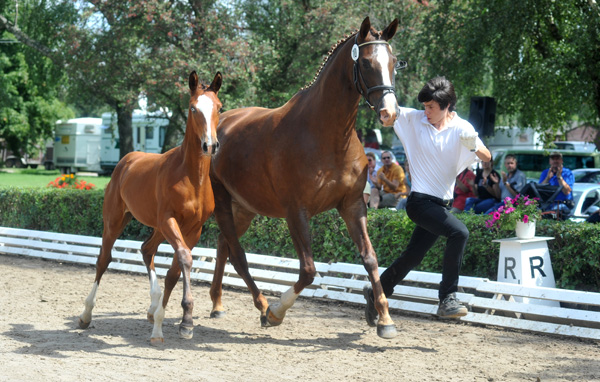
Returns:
(440, 90)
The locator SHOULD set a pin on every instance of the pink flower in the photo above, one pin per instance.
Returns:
(509, 210)
(489, 224)
(525, 219)
(496, 215)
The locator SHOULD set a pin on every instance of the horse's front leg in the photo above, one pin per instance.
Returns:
(355, 217)
(299, 230)
(182, 265)
(149, 248)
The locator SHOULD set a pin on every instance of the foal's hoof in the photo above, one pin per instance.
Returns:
(150, 318)
(218, 314)
(157, 341)
(387, 331)
(186, 332)
(269, 319)
(83, 325)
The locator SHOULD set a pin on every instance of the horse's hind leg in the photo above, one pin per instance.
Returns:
(149, 249)
(113, 227)
(299, 230)
(233, 224)
(355, 217)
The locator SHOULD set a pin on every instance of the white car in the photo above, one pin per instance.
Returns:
(587, 175)
(586, 197)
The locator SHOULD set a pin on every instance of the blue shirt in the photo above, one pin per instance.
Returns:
(567, 176)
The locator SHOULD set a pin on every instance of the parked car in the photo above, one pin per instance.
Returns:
(533, 162)
(587, 175)
(586, 197)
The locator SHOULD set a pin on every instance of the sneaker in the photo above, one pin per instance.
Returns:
(451, 308)
(370, 311)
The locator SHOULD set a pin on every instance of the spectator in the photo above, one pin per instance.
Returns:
(557, 175)
(390, 182)
(487, 191)
(594, 218)
(372, 169)
(512, 183)
(465, 182)
(402, 200)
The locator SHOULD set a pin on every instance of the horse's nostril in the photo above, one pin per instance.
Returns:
(216, 146)
(205, 147)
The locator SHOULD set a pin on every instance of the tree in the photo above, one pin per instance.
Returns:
(30, 85)
(539, 59)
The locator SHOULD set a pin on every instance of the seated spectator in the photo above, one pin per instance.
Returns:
(401, 196)
(367, 193)
(594, 218)
(463, 189)
(390, 181)
(372, 169)
(512, 183)
(557, 175)
(486, 190)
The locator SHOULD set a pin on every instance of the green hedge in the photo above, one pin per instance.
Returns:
(574, 250)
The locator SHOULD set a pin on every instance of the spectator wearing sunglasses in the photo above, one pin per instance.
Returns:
(389, 182)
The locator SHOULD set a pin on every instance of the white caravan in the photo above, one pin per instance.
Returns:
(77, 145)
(148, 136)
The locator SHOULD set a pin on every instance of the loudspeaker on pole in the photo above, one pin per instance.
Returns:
(482, 115)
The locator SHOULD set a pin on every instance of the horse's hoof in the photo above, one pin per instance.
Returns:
(186, 332)
(387, 331)
(269, 319)
(150, 318)
(157, 341)
(218, 314)
(83, 325)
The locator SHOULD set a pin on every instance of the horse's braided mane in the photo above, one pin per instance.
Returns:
(333, 48)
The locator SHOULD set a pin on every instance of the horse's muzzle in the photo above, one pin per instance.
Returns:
(210, 149)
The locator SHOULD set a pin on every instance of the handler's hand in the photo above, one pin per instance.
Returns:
(469, 140)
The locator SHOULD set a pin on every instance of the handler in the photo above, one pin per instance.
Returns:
(439, 145)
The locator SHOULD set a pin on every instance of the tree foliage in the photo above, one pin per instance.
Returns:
(539, 59)
(31, 91)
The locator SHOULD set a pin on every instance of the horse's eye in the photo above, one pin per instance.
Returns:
(366, 64)
(193, 109)
(220, 110)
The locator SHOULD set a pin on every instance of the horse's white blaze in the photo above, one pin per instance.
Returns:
(382, 56)
(205, 106)
(286, 301)
(155, 293)
(90, 302)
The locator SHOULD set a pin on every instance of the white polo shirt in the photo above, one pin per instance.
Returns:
(435, 157)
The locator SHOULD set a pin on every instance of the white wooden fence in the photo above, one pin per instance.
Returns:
(490, 303)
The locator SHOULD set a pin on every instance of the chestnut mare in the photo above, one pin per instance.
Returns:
(301, 159)
(171, 193)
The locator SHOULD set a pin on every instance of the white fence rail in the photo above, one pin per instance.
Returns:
(490, 303)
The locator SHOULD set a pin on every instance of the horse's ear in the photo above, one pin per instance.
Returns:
(193, 81)
(390, 31)
(217, 81)
(364, 28)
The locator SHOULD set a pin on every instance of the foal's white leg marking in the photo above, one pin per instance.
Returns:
(155, 293)
(205, 105)
(285, 302)
(90, 302)
(383, 58)
(159, 316)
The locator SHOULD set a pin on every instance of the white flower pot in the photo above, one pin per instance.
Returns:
(525, 230)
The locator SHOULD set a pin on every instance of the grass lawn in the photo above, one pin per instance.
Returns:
(41, 178)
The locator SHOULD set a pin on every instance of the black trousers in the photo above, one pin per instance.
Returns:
(433, 219)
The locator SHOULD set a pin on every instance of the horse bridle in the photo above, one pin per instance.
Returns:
(357, 73)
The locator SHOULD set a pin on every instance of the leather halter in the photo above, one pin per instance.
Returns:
(357, 73)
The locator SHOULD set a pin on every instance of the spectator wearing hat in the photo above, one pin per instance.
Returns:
(557, 175)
